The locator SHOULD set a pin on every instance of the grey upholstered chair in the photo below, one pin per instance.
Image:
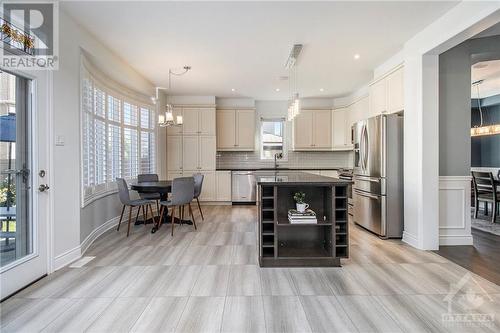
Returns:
(198, 183)
(182, 195)
(149, 177)
(124, 194)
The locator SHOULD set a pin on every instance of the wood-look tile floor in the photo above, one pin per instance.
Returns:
(209, 281)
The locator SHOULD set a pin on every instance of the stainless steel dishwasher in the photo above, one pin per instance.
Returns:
(243, 187)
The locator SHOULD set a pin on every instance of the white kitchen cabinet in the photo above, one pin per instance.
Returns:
(208, 190)
(207, 152)
(174, 153)
(190, 153)
(174, 130)
(206, 118)
(223, 185)
(236, 130)
(198, 153)
(322, 129)
(378, 98)
(198, 121)
(312, 130)
(172, 175)
(245, 129)
(341, 129)
(313, 172)
(302, 130)
(395, 91)
(226, 129)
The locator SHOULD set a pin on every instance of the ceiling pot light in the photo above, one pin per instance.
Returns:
(356, 56)
(277, 89)
(233, 90)
(321, 89)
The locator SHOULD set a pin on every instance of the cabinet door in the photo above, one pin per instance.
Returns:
(190, 124)
(223, 183)
(322, 129)
(226, 129)
(302, 130)
(378, 98)
(190, 153)
(245, 129)
(339, 125)
(174, 130)
(208, 190)
(395, 91)
(173, 175)
(207, 151)
(174, 153)
(206, 118)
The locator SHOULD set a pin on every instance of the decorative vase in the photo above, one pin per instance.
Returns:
(301, 207)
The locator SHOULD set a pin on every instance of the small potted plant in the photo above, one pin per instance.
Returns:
(299, 201)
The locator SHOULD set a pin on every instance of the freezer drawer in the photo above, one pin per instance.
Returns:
(369, 211)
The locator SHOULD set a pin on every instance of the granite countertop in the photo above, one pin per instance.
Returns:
(297, 178)
(279, 169)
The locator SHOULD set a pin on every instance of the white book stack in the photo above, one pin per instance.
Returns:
(307, 217)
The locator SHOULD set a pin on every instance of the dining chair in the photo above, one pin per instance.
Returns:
(182, 195)
(485, 191)
(150, 177)
(124, 194)
(198, 183)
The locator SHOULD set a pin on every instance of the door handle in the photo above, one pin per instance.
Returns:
(371, 196)
(43, 187)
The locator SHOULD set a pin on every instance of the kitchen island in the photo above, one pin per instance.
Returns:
(285, 244)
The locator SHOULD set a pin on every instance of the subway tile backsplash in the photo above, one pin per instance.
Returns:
(323, 159)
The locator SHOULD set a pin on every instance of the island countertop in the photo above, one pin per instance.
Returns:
(296, 178)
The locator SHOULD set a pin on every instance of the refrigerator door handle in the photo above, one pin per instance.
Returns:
(367, 195)
(366, 147)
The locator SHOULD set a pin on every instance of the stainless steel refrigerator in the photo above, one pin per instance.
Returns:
(378, 175)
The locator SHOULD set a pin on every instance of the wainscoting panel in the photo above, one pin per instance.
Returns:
(454, 210)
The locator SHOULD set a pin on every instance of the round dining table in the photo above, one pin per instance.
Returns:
(163, 187)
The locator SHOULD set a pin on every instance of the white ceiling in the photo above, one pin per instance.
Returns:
(244, 45)
(489, 72)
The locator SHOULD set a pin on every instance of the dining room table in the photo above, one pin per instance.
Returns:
(162, 187)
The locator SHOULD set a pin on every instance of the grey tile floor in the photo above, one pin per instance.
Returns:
(209, 281)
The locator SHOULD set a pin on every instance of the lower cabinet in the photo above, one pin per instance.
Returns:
(208, 190)
(223, 184)
(174, 174)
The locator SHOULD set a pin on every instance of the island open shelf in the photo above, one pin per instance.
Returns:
(285, 244)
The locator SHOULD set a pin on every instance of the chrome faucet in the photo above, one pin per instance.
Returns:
(277, 156)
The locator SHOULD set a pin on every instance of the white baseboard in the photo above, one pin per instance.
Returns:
(67, 258)
(455, 240)
(98, 232)
(454, 210)
(410, 239)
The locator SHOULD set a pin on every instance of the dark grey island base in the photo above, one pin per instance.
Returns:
(282, 244)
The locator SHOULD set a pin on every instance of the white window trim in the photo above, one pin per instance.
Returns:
(285, 141)
(110, 87)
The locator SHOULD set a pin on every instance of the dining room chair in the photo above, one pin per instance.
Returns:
(182, 195)
(124, 195)
(198, 184)
(485, 191)
(150, 177)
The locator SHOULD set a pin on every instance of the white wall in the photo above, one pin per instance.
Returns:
(421, 158)
(66, 187)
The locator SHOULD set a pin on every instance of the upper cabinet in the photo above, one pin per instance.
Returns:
(341, 129)
(236, 130)
(387, 94)
(395, 91)
(198, 121)
(312, 130)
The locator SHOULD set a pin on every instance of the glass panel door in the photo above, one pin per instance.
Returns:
(16, 236)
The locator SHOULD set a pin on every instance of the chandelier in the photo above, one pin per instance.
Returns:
(167, 119)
